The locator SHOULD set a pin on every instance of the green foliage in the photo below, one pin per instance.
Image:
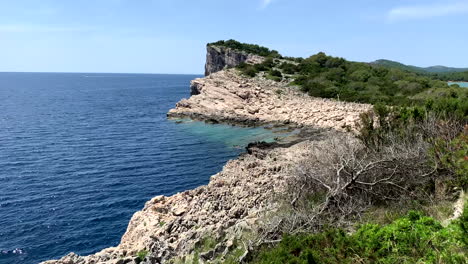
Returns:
(196, 258)
(276, 73)
(398, 65)
(427, 70)
(329, 77)
(452, 76)
(376, 126)
(266, 66)
(453, 155)
(233, 257)
(464, 224)
(142, 254)
(207, 243)
(414, 238)
(248, 48)
(288, 68)
(250, 71)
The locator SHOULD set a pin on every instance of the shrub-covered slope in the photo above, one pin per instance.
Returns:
(330, 77)
(432, 69)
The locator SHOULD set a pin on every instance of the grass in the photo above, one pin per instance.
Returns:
(142, 254)
(386, 215)
(413, 238)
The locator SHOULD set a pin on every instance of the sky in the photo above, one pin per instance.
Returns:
(170, 36)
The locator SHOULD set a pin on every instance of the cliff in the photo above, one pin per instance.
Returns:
(229, 97)
(219, 57)
(212, 221)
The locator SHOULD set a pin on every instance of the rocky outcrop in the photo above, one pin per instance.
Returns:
(227, 96)
(222, 211)
(234, 201)
(218, 58)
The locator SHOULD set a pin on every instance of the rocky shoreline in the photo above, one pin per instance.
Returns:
(229, 97)
(213, 222)
(223, 212)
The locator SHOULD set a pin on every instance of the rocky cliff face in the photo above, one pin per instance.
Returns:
(218, 58)
(228, 97)
(209, 222)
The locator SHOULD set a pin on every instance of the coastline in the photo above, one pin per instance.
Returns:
(228, 97)
(235, 200)
(226, 209)
(461, 84)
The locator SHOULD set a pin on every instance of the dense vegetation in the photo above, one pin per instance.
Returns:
(435, 72)
(433, 69)
(330, 77)
(410, 160)
(451, 76)
(411, 153)
(414, 238)
(248, 48)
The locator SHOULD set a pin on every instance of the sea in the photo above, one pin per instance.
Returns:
(81, 153)
(461, 84)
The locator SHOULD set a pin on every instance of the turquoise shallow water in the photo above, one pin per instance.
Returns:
(232, 136)
(81, 153)
(462, 84)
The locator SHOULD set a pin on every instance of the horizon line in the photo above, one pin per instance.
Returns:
(79, 72)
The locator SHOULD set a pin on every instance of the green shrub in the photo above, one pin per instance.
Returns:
(248, 48)
(414, 238)
(464, 224)
(453, 155)
(276, 73)
(249, 70)
(288, 68)
(324, 76)
(142, 254)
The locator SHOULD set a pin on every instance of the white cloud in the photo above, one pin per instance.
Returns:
(266, 3)
(427, 11)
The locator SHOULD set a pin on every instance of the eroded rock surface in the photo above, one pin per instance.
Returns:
(228, 206)
(218, 58)
(226, 96)
(236, 198)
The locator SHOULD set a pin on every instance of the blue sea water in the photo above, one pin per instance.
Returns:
(80, 153)
(462, 84)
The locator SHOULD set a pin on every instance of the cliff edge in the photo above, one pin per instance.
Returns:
(208, 223)
(218, 58)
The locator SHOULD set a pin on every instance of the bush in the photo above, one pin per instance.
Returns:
(249, 70)
(142, 254)
(288, 68)
(276, 73)
(452, 154)
(248, 48)
(361, 82)
(414, 238)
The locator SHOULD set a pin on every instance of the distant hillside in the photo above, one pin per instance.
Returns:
(432, 69)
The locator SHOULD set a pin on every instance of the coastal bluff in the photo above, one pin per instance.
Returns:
(229, 97)
(213, 223)
(218, 58)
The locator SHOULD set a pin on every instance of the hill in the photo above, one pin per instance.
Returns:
(432, 69)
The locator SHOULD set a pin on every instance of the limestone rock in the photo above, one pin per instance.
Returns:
(218, 58)
(225, 98)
